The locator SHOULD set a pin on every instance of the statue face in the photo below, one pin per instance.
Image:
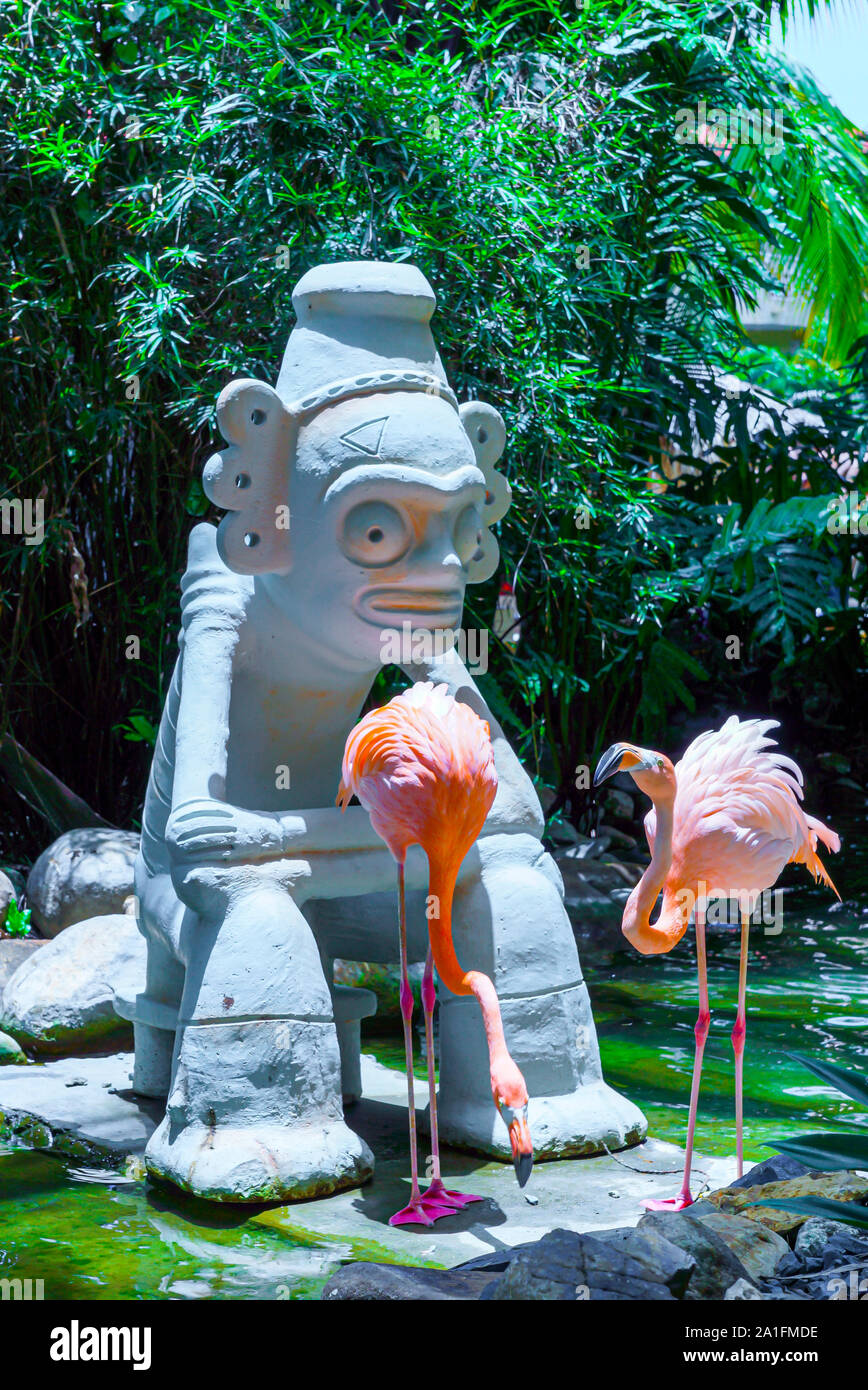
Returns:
(385, 504)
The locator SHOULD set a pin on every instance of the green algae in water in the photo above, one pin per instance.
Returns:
(91, 1240)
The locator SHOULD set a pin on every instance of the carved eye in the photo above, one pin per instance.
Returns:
(468, 534)
(374, 533)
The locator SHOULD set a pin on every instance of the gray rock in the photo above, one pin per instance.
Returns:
(496, 1261)
(563, 833)
(49, 1108)
(845, 1247)
(85, 873)
(717, 1268)
(398, 1283)
(618, 804)
(565, 1267)
(778, 1168)
(10, 1052)
(619, 838)
(791, 1263)
(742, 1289)
(795, 1293)
(13, 953)
(818, 1231)
(759, 1249)
(62, 997)
(7, 893)
(18, 881)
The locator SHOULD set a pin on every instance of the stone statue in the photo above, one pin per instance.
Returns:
(359, 498)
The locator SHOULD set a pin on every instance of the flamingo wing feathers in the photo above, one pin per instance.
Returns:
(737, 813)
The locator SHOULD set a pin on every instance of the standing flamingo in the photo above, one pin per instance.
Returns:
(423, 768)
(726, 820)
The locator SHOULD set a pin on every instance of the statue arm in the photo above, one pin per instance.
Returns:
(202, 735)
(203, 827)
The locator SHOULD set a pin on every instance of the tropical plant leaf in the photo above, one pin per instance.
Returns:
(830, 1152)
(851, 1212)
(853, 1083)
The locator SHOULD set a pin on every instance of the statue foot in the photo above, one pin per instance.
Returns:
(678, 1203)
(439, 1196)
(260, 1163)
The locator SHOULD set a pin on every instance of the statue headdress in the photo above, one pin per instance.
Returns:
(362, 328)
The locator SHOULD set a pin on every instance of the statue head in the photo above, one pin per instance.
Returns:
(359, 490)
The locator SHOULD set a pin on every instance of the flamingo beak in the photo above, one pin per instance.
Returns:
(624, 757)
(522, 1148)
(611, 762)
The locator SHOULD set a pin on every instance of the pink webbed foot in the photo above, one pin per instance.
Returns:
(414, 1214)
(438, 1196)
(678, 1203)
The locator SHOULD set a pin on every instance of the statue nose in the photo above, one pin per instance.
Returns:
(436, 550)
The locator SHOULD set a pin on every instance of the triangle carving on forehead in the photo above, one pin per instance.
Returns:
(367, 437)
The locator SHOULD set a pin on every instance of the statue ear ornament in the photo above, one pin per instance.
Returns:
(250, 478)
(486, 431)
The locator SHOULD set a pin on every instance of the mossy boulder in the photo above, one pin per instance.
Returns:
(739, 1201)
(10, 1051)
(62, 998)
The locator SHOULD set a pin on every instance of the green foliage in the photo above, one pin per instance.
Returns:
(169, 177)
(17, 921)
(139, 729)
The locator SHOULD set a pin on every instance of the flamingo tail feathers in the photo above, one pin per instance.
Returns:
(809, 856)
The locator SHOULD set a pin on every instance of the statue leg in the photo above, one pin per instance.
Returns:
(509, 921)
(254, 1113)
(153, 1010)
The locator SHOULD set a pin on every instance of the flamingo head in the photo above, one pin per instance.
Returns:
(652, 772)
(511, 1099)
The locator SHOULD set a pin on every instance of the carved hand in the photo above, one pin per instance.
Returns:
(207, 831)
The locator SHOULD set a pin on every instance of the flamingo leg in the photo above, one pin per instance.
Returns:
(414, 1213)
(700, 1033)
(438, 1200)
(738, 1037)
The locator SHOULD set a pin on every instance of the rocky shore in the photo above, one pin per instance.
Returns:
(726, 1247)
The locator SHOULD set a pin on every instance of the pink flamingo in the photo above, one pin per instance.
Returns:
(423, 768)
(726, 820)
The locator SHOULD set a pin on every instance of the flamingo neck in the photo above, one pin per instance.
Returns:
(660, 936)
(441, 890)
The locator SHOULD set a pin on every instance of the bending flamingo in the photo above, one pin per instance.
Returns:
(726, 820)
(423, 768)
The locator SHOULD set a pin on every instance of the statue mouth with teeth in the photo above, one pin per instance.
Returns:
(359, 498)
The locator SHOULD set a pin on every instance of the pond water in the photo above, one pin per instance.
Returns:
(100, 1236)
